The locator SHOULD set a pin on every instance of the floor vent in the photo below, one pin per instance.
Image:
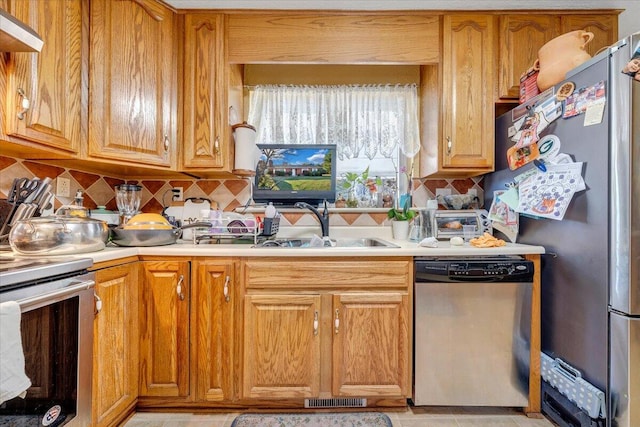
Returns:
(336, 403)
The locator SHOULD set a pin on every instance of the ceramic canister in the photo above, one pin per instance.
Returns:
(560, 55)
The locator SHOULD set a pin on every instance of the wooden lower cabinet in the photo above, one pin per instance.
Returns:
(213, 297)
(252, 332)
(115, 346)
(164, 329)
(371, 344)
(326, 328)
(187, 332)
(281, 346)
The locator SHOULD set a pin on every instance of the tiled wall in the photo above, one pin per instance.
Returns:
(228, 193)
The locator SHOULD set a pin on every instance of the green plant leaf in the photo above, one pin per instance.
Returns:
(401, 214)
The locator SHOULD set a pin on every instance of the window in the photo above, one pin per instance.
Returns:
(375, 127)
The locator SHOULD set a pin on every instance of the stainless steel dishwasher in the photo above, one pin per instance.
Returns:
(471, 331)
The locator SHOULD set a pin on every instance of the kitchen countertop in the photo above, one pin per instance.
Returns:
(406, 248)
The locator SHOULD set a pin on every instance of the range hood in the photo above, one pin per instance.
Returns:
(15, 36)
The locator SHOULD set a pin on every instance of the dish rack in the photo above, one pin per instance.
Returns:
(228, 229)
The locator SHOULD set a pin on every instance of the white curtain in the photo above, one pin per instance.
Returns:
(358, 119)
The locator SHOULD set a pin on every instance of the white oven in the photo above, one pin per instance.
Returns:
(56, 304)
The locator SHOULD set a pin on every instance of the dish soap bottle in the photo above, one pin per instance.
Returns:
(270, 211)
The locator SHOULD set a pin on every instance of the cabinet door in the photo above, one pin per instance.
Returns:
(521, 36)
(205, 139)
(212, 316)
(371, 344)
(164, 329)
(115, 345)
(603, 27)
(132, 80)
(51, 79)
(281, 346)
(468, 124)
(333, 38)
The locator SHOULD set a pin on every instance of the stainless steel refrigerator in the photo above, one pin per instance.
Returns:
(591, 273)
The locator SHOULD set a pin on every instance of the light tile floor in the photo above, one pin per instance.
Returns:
(412, 417)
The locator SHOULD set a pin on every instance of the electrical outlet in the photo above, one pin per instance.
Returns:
(63, 187)
(178, 195)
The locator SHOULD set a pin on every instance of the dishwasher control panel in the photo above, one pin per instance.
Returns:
(503, 269)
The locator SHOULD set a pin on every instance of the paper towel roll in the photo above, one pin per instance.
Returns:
(247, 153)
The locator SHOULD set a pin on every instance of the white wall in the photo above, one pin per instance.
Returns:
(628, 23)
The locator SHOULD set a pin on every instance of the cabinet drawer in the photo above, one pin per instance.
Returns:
(328, 273)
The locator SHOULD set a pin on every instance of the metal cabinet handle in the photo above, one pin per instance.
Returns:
(226, 289)
(449, 145)
(25, 104)
(315, 323)
(336, 322)
(216, 145)
(98, 303)
(166, 142)
(179, 288)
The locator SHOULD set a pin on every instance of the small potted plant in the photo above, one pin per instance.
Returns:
(400, 219)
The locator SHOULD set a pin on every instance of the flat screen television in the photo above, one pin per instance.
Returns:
(290, 173)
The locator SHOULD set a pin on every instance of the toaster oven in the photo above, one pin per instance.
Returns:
(448, 223)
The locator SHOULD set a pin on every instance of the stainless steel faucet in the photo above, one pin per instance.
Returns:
(322, 218)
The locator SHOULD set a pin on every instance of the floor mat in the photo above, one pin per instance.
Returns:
(346, 419)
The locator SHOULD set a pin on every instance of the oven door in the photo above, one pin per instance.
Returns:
(57, 339)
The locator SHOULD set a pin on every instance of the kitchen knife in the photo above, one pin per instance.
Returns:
(42, 188)
(34, 186)
(42, 196)
(15, 187)
(20, 213)
(47, 201)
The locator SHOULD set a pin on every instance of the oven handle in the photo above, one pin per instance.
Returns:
(56, 295)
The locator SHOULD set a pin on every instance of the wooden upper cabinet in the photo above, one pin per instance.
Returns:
(603, 27)
(521, 36)
(51, 80)
(132, 81)
(333, 38)
(467, 143)
(204, 136)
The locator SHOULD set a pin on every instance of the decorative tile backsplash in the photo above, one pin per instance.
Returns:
(98, 190)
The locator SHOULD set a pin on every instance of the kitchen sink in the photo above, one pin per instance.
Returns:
(368, 242)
